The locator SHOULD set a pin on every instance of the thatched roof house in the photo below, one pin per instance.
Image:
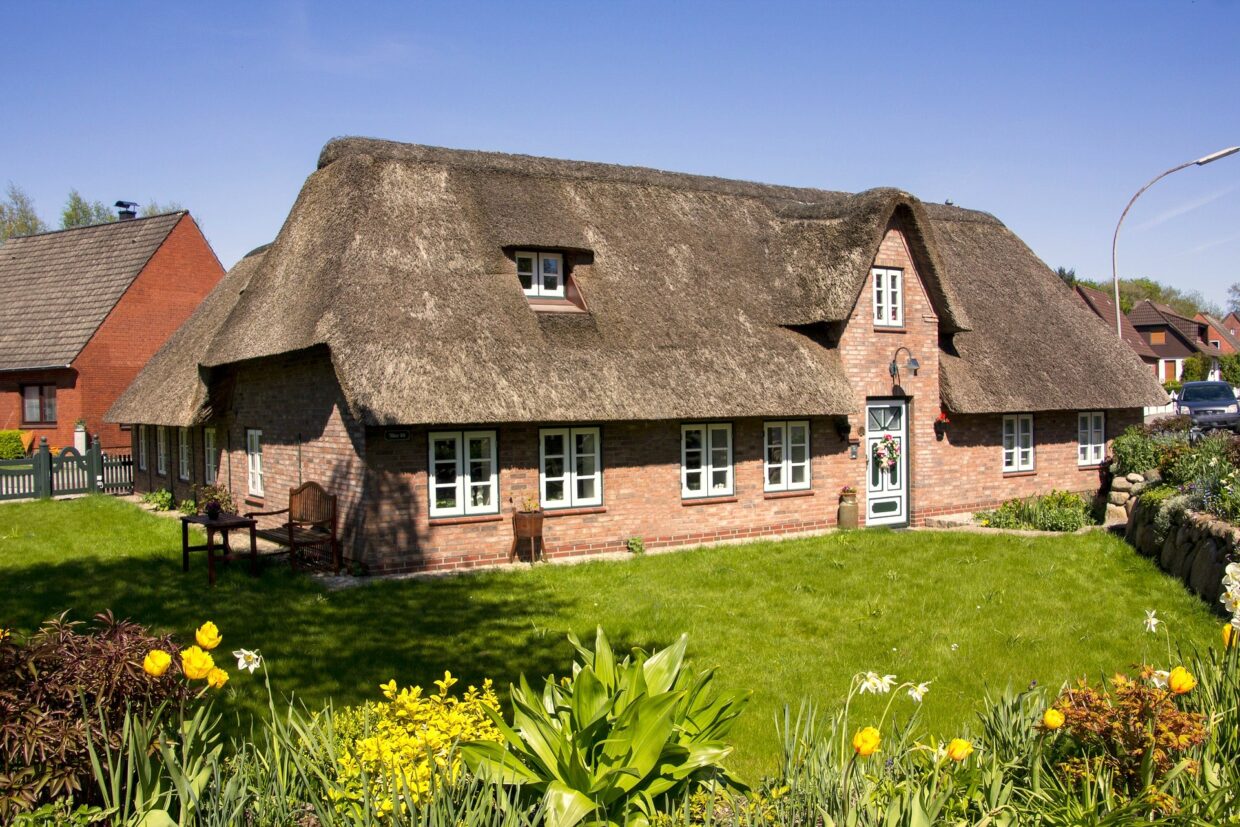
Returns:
(396, 293)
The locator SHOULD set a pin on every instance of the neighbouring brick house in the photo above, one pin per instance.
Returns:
(1103, 306)
(1218, 334)
(84, 309)
(437, 334)
(1173, 338)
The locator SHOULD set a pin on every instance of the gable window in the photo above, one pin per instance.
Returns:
(1158, 337)
(888, 297)
(161, 450)
(210, 463)
(183, 452)
(39, 404)
(1018, 442)
(1091, 437)
(463, 475)
(569, 471)
(706, 460)
(786, 453)
(541, 274)
(142, 447)
(254, 461)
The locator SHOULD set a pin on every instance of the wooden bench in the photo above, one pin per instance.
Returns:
(310, 534)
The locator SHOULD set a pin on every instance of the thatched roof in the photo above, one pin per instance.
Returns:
(707, 297)
(59, 286)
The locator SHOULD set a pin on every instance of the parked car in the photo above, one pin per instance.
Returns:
(1209, 405)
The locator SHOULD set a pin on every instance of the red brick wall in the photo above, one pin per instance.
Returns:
(68, 404)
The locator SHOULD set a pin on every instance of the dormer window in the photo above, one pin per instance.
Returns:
(888, 296)
(541, 274)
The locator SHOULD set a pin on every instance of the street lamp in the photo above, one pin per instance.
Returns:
(1200, 162)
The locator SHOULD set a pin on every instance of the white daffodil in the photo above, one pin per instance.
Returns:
(919, 691)
(247, 659)
(1159, 678)
(1231, 600)
(876, 684)
(1151, 622)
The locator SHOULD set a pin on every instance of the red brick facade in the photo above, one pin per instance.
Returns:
(381, 473)
(173, 283)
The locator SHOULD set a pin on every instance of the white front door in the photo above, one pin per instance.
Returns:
(886, 481)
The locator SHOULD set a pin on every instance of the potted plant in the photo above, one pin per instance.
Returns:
(847, 516)
(527, 520)
(213, 500)
(940, 424)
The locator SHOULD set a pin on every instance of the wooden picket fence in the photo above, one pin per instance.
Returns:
(44, 474)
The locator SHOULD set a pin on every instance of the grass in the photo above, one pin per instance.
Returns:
(788, 620)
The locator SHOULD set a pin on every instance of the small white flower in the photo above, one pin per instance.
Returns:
(919, 691)
(1231, 600)
(875, 684)
(1159, 678)
(1151, 622)
(247, 659)
(955, 646)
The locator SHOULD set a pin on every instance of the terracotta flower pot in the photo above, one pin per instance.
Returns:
(527, 524)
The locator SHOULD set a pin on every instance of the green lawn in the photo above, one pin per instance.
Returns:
(788, 620)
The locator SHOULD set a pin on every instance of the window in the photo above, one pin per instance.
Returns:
(1216, 344)
(706, 460)
(1091, 438)
(183, 452)
(1158, 337)
(569, 471)
(541, 274)
(888, 297)
(254, 461)
(463, 476)
(39, 404)
(142, 447)
(1018, 442)
(786, 456)
(161, 450)
(208, 451)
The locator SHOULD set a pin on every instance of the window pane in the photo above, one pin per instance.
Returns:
(445, 449)
(875, 470)
(693, 439)
(585, 443)
(550, 266)
(719, 458)
(480, 471)
(49, 404)
(775, 475)
(693, 459)
(554, 467)
(480, 448)
(30, 402)
(525, 265)
(445, 497)
(445, 473)
(480, 495)
(693, 480)
(719, 480)
(585, 489)
(585, 465)
(797, 453)
(553, 445)
(555, 491)
(796, 474)
(797, 435)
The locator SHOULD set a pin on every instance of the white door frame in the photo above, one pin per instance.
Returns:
(887, 498)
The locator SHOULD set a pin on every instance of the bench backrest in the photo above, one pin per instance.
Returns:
(310, 503)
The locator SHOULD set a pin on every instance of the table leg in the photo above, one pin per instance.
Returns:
(184, 546)
(210, 557)
(253, 553)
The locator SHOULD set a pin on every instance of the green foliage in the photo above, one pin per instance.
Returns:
(1133, 452)
(11, 445)
(17, 214)
(635, 545)
(1173, 386)
(78, 212)
(188, 507)
(1056, 511)
(155, 208)
(1229, 368)
(1205, 463)
(1196, 368)
(159, 499)
(204, 494)
(1185, 302)
(616, 739)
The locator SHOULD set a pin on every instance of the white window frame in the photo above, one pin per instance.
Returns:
(537, 289)
(183, 454)
(142, 438)
(888, 308)
(1091, 437)
(161, 450)
(785, 465)
(1017, 457)
(572, 472)
(254, 461)
(708, 467)
(210, 465)
(463, 482)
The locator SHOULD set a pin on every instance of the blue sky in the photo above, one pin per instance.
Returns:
(1048, 115)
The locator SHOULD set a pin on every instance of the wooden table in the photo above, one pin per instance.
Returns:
(222, 524)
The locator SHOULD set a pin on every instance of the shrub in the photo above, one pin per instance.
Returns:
(1172, 386)
(1178, 424)
(1207, 460)
(188, 507)
(635, 545)
(204, 494)
(67, 684)
(1133, 452)
(11, 445)
(1056, 511)
(160, 500)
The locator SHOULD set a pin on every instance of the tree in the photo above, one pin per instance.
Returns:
(1233, 298)
(1068, 274)
(17, 215)
(156, 208)
(79, 212)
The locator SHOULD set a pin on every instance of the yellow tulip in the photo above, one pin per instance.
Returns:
(216, 678)
(865, 742)
(959, 749)
(1052, 719)
(156, 662)
(1181, 681)
(196, 664)
(208, 636)
(1230, 635)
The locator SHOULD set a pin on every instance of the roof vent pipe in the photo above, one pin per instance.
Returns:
(126, 210)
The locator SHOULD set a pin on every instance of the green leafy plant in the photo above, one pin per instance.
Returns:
(160, 499)
(188, 507)
(1056, 511)
(11, 445)
(635, 545)
(608, 744)
(205, 494)
(1133, 451)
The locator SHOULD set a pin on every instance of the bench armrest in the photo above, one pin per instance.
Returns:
(265, 513)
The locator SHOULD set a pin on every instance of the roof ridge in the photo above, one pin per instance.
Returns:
(116, 223)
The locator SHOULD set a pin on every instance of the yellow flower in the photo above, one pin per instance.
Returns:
(208, 636)
(865, 742)
(196, 664)
(1230, 635)
(1181, 681)
(959, 749)
(156, 662)
(1052, 719)
(216, 678)
(446, 684)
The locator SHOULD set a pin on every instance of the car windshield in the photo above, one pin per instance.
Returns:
(1208, 392)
